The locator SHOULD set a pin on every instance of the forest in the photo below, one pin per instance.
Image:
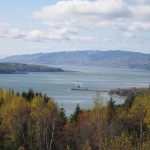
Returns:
(19, 68)
(32, 121)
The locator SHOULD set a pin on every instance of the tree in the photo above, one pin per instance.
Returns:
(21, 148)
(1, 97)
(87, 146)
(138, 112)
(74, 117)
(129, 101)
(28, 95)
(15, 114)
(111, 110)
(44, 119)
(62, 116)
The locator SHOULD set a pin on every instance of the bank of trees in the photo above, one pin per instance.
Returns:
(33, 121)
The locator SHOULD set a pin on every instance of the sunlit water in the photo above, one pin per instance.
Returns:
(58, 85)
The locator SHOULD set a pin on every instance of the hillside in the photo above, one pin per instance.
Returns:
(114, 59)
(10, 68)
(26, 115)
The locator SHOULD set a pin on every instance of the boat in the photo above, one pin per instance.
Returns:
(79, 88)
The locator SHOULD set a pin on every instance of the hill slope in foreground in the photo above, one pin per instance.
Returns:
(114, 59)
(10, 68)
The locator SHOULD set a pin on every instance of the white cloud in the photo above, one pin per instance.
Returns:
(52, 35)
(15, 33)
(144, 1)
(129, 35)
(83, 9)
(3, 30)
(145, 26)
(141, 12)
(7, 32)
(83, 15)
(68, 19)
(34, 35)
(38, 35)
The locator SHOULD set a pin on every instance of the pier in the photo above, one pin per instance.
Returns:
(89, 90)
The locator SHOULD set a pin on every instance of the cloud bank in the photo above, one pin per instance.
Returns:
(76, 19)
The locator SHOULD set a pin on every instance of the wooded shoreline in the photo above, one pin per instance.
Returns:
(128, 91)
(32, 121)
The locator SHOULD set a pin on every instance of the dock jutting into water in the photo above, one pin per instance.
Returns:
(88, 90)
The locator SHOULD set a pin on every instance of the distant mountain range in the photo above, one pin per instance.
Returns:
(113, 59)
(13, 68)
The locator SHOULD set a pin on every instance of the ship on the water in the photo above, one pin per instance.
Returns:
(79, 88)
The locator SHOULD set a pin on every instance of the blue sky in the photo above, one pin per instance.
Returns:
(33, 26)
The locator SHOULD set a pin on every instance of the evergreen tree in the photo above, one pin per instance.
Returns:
(129, 101)
(62, 115)
(111, 109)
(28, 95)
(76, 114)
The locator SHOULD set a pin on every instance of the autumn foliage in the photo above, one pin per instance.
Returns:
(33, 121)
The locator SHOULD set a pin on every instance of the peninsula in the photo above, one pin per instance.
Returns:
(14, 68)
(129, 91)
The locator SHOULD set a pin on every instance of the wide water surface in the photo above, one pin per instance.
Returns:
(58, 85)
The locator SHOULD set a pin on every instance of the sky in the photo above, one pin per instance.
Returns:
(34, 26)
